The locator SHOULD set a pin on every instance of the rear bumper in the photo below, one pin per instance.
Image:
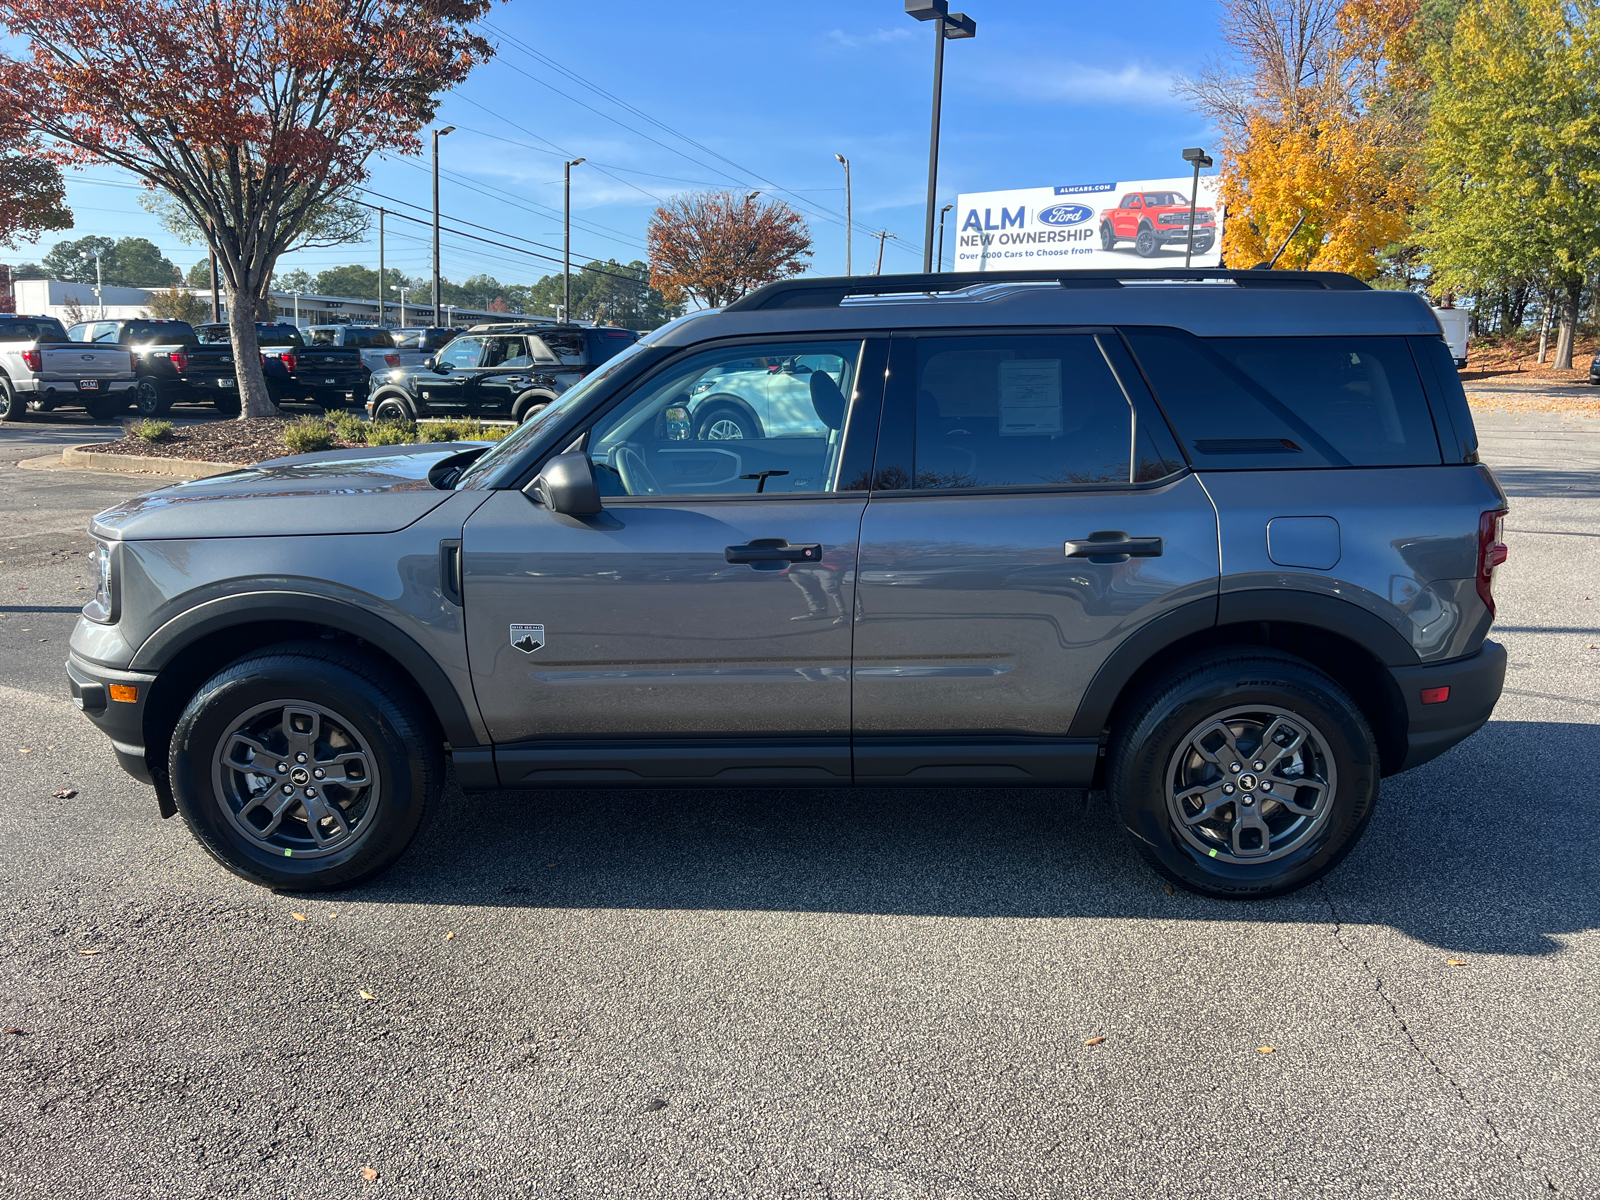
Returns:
(120, 720)
(64, 388)
(1475, 683)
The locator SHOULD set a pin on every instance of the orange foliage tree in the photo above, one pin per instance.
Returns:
(32, 196)
(715, 246)
(251, 115)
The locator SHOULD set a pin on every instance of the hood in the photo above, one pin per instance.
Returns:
(374, 489)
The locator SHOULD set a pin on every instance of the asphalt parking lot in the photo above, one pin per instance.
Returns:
(875, 994)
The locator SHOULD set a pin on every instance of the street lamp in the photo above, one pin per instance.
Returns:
(849, 229)
(296, 296)
(942, 212)
(946, 24)
(437, 134)
(98, 300)
(404, 292)
(1199, 158)
(566, 239)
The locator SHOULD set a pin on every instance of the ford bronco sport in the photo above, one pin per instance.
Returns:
(1218, 543)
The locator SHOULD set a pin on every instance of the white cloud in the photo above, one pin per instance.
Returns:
(878, 37)
(1132, 83)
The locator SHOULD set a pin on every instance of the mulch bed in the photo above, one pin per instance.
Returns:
(242, 442)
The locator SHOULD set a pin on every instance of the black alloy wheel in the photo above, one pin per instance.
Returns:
(1145, 244)
(151, 399)
(391, 410)
(306, 766)
(1244, 774)
(12, 406)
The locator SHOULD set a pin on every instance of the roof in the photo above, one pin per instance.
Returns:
(1208, 303)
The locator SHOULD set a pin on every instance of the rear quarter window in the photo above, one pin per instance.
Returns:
(1272, 403)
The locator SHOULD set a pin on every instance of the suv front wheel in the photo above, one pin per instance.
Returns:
(306, 766)
(1245, 774)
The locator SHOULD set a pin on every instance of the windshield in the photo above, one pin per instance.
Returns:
(523, 436)
(1165, 200)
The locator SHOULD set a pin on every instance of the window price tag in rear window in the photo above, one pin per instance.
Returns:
(1030, 396)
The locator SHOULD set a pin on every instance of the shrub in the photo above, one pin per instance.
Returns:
(305, 434)
(391, 433)
(152, 431)
(462, 429)
(349, 428)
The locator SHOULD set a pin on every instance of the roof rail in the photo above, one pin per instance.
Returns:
(829, 292)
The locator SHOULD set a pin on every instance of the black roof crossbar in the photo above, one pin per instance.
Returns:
(829, 292)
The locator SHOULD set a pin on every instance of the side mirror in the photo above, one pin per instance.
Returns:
(567, 485)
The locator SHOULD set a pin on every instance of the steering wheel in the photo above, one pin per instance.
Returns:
(637, 478)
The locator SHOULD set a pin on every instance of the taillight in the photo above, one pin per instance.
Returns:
(180, 360)
(290, 362)
(133, 362)
(392, 359)
(1491, 552)
(33, 360)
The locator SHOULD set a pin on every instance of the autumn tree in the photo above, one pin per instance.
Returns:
(250, 115)
(716, 246)
(176, 304)
(33, 199)
(1513, 150)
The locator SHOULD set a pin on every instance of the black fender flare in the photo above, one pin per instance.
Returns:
(1144, 644)
(394, 394)
(248, 608)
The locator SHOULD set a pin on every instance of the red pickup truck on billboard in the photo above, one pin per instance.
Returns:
(1151, 220)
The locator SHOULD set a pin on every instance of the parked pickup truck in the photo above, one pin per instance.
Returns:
(325, 375)
(167, 358)
(1151, 220)
(41, 369)
(379, 349)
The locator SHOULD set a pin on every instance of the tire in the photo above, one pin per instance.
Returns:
(391, 409)
(1145, 244)
(1160, 752)
(12, 405)
(1108, 237)
(724, 422)
(530, 405)
(151, 399)
(106, 408)
(226, 403)
(344, 711)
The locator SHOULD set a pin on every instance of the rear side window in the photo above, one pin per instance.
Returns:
(1266, 403)
(1439, 372)
(46, 330)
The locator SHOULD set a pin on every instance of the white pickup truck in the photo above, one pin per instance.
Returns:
(40, 370)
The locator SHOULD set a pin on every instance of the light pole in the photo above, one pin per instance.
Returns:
(946, 24)
(404, 292)
(437, 134)
(1199, 158)
(216, 297)
(849, 228)
(566, 239)
(449, 316)
(882, 237)
(382, 315)
(98, 300)
(296, 309)
(939, 266)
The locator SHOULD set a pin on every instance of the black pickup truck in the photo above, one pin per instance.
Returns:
(331, 376)
(171, 364)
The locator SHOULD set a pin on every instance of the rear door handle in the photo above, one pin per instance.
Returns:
(1114, 546)
(773, 550)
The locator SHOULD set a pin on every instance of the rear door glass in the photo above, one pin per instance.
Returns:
(1268, 403)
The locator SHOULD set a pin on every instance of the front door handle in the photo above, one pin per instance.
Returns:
(1114, 546)
(773, 550)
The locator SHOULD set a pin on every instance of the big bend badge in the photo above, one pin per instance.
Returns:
(527, 638)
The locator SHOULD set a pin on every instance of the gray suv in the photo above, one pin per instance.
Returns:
(1217, 542)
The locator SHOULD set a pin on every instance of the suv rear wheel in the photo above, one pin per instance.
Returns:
(306, 766)
(1245, 774)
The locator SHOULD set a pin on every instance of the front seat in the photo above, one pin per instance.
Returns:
(827, 399)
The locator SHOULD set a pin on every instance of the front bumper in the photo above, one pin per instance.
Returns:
(1475, 683)
(120, 720)
(1202, 234)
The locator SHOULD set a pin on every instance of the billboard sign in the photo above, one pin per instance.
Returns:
(1141, 225)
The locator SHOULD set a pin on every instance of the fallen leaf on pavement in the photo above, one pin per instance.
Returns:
(24, 750)
(298, 916)
(368, 996)
(449, 935)
(81, 950)
(66, 793)
(1169, 889)
(368, 1174)
(1455, 962)
(1094, 1041)
(14, 1029)
(1267, 1049)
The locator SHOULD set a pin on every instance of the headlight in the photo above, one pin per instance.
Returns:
(102, 606)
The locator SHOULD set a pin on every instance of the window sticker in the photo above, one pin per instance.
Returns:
(1030, 397)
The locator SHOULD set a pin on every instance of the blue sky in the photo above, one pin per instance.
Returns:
(1047, 93)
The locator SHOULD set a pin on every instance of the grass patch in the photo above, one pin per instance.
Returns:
(306, 434)
(153, 432)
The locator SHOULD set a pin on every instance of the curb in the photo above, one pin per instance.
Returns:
(186, 468)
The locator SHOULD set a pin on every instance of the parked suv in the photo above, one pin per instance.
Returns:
(1151, 220)
(40, 369)
(1218, 544)
(503, 372)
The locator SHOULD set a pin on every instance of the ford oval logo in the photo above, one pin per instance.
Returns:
(1065, 214)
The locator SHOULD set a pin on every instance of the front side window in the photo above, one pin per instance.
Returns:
(756, 421)
(104, 331)
(1024, 410)
(463, 352)
(78, 333)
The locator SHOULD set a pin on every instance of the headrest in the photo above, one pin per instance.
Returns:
(827, 399)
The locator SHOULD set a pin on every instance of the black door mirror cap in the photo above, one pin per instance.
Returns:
(567, 485)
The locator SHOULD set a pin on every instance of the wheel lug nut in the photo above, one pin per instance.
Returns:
(1235, 768)
(287, 790)
(299, 758)
(312, 792)
(318, 772)
(1227, 789)
(1260, 766)
(1249, 800)
(1266, 785)
(282, 767)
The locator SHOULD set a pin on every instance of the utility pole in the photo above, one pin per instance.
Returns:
(381, 284)
(849, 225)
(882, 237)
(946, 24)
(216, 300)
(566, 239)
(437, 134)
(939, 266)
